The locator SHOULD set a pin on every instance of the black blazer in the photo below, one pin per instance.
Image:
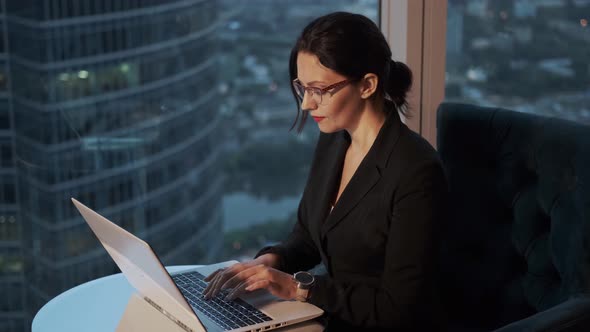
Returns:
(379, 242)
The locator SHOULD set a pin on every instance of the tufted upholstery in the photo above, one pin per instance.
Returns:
(518, 240)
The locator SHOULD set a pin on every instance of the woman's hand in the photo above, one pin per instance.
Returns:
(250, 276)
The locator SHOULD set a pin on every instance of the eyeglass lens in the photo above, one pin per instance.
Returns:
(313, 93)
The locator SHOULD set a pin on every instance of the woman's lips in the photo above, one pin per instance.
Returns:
(318, 118)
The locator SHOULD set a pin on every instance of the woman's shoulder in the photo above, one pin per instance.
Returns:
(415, 148)
(413, 156)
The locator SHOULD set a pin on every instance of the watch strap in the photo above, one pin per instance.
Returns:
(302, 295)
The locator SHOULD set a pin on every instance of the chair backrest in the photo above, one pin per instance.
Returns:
(518, 239)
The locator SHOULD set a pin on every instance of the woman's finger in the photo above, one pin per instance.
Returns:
(275, 282)
(262, 273)
(237, 291)
(242, 287)
(241, 276)
(215, 284)
(221, 278)
(212, 275)
(209, 279)
(209, 286)
(259, 284)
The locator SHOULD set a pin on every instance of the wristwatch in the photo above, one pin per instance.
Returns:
(305, 282)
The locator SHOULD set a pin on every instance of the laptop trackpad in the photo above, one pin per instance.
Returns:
(276, 307)
(259, 298)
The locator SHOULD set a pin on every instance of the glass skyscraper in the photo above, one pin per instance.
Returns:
(12, 305)
(114, 103)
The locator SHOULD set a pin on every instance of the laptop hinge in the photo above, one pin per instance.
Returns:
(169, 315)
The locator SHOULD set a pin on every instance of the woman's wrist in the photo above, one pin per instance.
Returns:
(293, 289)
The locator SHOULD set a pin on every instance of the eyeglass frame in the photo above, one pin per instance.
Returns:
(322, 91)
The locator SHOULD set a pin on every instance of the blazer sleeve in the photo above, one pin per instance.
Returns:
(404, 296)
(298, 252)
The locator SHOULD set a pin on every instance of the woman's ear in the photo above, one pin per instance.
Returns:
(369, 85)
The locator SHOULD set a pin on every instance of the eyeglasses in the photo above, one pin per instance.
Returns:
(321, 96)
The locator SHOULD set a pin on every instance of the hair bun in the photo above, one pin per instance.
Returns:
(399, 83)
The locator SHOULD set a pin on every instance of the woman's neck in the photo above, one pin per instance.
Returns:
(367, 128)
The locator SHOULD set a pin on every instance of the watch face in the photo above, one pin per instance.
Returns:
(304, 278)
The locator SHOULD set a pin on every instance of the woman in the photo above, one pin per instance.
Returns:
(374, 197)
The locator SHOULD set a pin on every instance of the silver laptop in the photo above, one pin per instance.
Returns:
(179, 296)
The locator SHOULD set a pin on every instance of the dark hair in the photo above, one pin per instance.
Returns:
(352, 45)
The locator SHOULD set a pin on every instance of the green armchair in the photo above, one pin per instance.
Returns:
(516, 250)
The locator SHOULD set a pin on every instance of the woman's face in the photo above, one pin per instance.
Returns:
(343, 108)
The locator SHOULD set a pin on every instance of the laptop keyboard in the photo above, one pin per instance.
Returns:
(229, 315)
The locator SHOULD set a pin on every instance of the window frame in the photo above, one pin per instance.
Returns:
(416, 33)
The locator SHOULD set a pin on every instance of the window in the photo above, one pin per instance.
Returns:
(5, 154)
(529, 56)
(8, 193)
(9, 230)
(3, 78)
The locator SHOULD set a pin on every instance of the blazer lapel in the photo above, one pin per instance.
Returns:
(367, 174)
(327, 180)
(365, 177)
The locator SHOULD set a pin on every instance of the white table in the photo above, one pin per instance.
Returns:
(98, 305)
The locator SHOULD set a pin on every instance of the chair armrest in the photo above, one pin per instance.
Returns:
(571, 315)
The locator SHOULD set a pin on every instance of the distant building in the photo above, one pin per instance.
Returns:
(114, 103)
(525, 8)
(454, 40)
(12, 305)
(476, 7)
